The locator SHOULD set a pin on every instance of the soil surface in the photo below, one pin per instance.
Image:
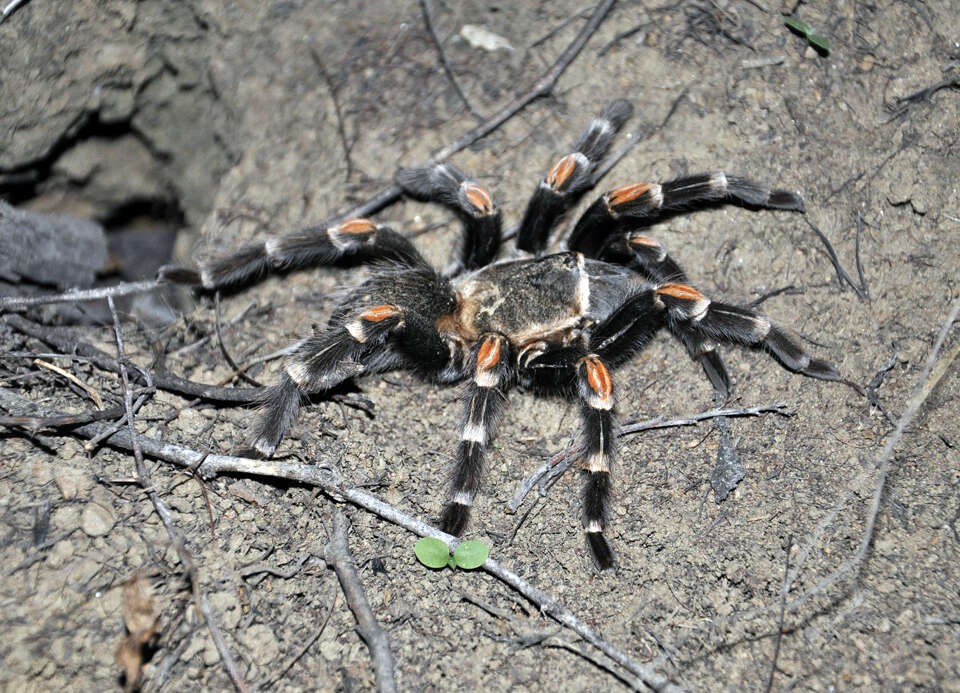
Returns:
(250, 119)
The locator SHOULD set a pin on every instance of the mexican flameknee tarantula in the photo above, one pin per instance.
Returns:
(553, 324)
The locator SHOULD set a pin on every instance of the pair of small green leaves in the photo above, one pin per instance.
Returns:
(468, 555)
(820, 43)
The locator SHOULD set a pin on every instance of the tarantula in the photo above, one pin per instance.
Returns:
(554, 324)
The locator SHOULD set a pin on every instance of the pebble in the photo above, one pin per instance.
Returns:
(96, 521)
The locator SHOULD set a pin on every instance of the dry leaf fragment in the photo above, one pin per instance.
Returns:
(141, 623)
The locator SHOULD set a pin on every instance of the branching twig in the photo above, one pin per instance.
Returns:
(163, 512)
(211, 465)
(303, 650)
(928, 380)
(79, 295)
(432, 30)
(542, 87)
(66, 342)
(336, 109)
(783, 604)
(842, 275)
(573, 453)
(337, 555)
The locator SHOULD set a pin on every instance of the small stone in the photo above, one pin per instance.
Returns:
(71, 482)
(262, 644)
(60, 553)
(96, 521)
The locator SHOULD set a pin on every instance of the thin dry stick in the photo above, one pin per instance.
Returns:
(303, 650)
(146, 482)
(79, 295)
(783, 605)
(573, 453)
(542, 87)
(928, 380)
(336, 109)
(431, 28)
(210, 465)
(337, 555)
(67, 342)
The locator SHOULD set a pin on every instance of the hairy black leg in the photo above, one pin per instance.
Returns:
(647, 257)
(354, 239)
(595, 389)
(372, 340)
(570, 177)
(451, 187)
(642, 204)
(493, 374)
(687, 307)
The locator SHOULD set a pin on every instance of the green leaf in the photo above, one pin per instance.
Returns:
(433, 553)
(821, 43)
(470, 554)
(796, 25)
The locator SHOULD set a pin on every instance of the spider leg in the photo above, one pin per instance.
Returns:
(570, 177)
(451, 187)
(646, 256)
(642, 204)
(688, 309)
(484, 398)
(374, 339)
(354, 239)
(595, 388)
(573, 372)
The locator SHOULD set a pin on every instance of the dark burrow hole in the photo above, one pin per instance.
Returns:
(106, 173)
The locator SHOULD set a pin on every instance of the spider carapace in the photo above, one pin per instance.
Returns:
(556, 324)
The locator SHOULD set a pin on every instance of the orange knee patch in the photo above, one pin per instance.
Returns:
(489, 354)
(356, 225)
(681, 291)
(644, 241)
(479, 198)
(561, 171)
(627, 193)
(598, 377)
(378, 313)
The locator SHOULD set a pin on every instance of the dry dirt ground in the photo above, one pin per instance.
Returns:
(226, 113)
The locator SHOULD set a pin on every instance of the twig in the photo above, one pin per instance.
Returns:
(542, 87)
(431, 28)
(226, 353)
(79, 295)
(337, 555)
(856, 257)
(926, 93)
(163, 512)
(336, 109)
(929, 377)
(560, 27)
(10, 9)
(91, 392)
(842, 275)
(566, 456)
(63, 340)
(877, 381)
(783, 604)
(303, 650)
(789, 290)
(619, 37)
(210, 465)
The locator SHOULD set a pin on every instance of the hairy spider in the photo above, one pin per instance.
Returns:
(552, 324)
